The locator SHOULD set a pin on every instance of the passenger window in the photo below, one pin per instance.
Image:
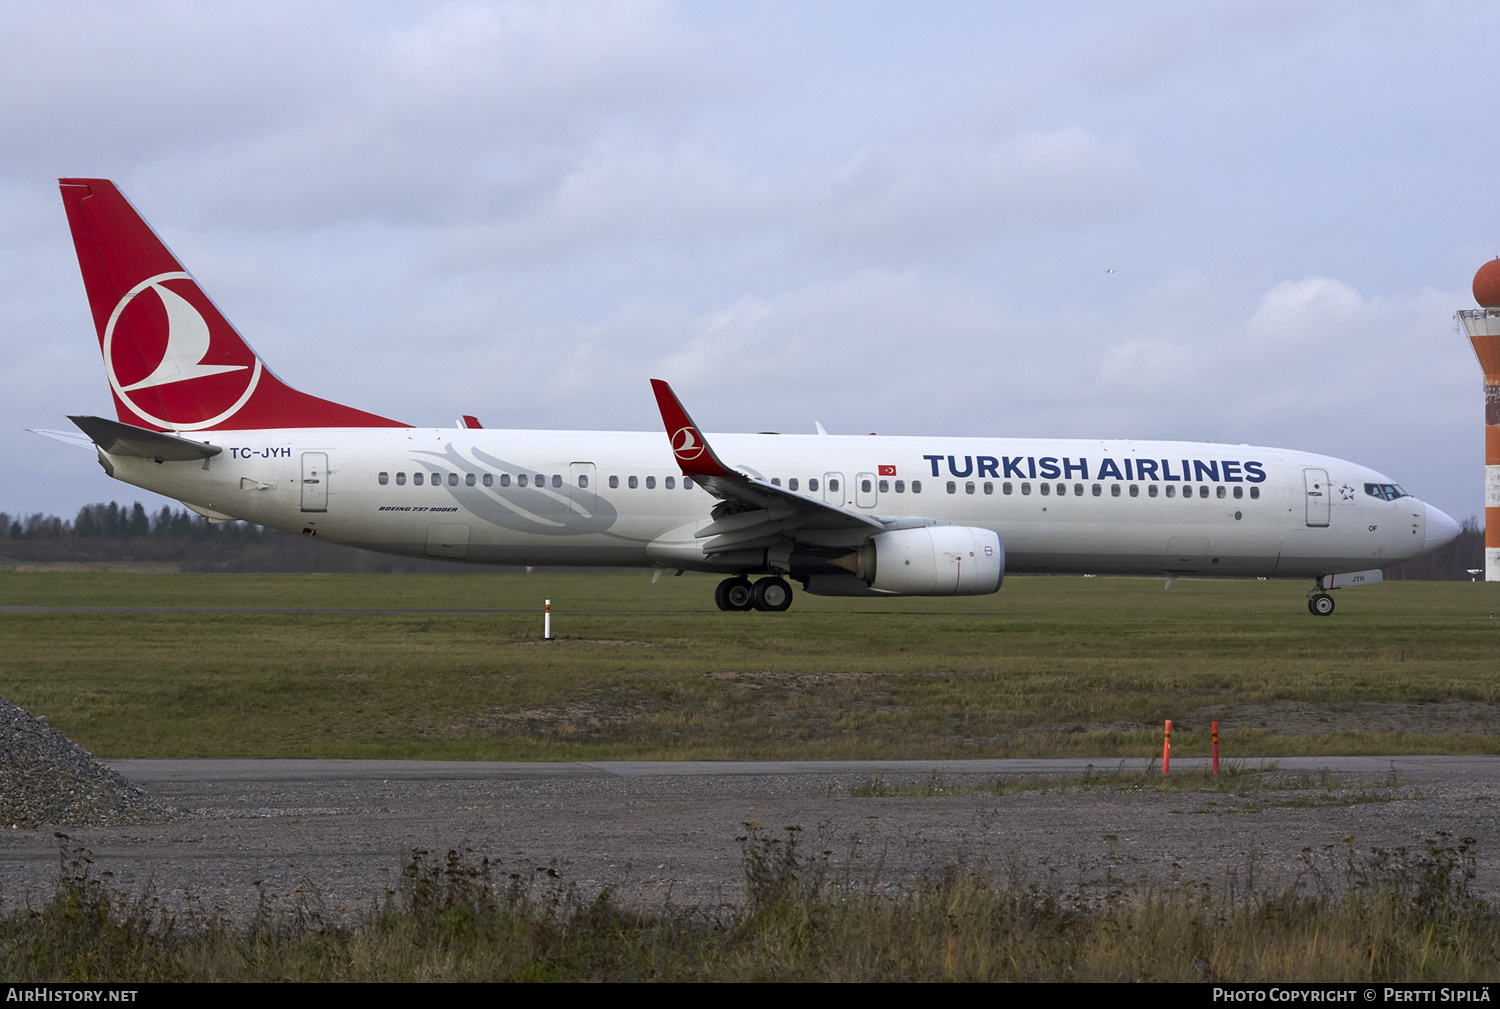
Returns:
(812, 484)
(1005, 488)
(776, 481)
(1239, 492)
(670, 483)
(885, 486)
(583, 481)
(469, 479)
(651, 483)
(614, 483)
(632, 482)
(1171, 490)
(400, 479)
(1046, 489)
(687, 483)
(1062, 489)
(1114, 490)
(437, 479)
(864, 486)
(1078, 490)
(916, 486)
(541, 481)
(968, 486)
(1203, 491)
(1100, 490)
(1254, 493)
(489, 479)
(900, 486)
(416, 479)
(556, 481)
(1151, 490)
(989, 488)
(833, 486)
(792, 484)
(1220, 492)
(504, 479)
(383, 479)
(1025, 488)
(1135, 490)
(521, 479)
(952, 487)
(453, 479)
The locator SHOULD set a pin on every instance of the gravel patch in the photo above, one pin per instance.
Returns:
(334, 835)
(47, 780)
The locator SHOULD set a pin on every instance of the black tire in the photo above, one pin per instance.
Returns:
(1321, 604)
(734, 595)
(771, 595)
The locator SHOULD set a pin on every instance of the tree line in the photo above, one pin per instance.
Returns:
(115, 533)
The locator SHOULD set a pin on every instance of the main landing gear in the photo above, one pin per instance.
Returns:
(1320, 604)
(771, 595)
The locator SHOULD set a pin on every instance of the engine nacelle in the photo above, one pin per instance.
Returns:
(934, 561)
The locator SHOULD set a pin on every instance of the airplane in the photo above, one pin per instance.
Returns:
(201, 418)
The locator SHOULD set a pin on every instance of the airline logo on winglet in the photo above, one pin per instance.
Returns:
(688, 444)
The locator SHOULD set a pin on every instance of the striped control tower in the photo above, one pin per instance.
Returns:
(1483, 326)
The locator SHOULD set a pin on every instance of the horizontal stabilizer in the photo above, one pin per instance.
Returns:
(115, 438)
(70, 437)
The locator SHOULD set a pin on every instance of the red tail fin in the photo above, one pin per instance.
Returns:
(174, 362)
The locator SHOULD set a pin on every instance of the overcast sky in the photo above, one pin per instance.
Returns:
(884, 217)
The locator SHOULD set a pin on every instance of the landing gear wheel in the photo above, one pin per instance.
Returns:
(1320, 604)
(734, 594)
(771, 595)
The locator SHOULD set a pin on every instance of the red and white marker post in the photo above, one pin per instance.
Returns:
(547, 621)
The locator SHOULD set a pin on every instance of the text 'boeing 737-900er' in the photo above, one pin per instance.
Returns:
(200, 418)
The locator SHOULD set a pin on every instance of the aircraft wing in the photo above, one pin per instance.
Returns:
(752, 512)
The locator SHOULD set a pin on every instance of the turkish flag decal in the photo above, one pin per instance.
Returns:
(887, 471)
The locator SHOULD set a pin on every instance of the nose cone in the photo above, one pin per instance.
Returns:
(1441, 530)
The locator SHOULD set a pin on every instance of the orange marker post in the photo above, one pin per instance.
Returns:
(1166, 749)
(1216, 747)
(547, 621)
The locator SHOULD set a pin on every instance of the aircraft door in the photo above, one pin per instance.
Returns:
(834, 490)
(582, 487)
(865, 493)
(315, 481)
(1316, 481)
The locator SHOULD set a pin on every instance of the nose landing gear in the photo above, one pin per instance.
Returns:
(771, 595)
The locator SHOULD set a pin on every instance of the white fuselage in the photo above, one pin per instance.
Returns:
(618, 498)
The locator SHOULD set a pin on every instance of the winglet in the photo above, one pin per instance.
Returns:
(693, 453)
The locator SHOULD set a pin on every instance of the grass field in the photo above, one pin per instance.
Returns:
(1047, 666)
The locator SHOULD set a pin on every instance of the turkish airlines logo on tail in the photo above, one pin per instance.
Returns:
(687, 444)
(166, 362)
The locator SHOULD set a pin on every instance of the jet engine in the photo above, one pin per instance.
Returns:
(937, 560)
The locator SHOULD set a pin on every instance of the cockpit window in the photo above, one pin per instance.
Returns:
(1385, 491)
